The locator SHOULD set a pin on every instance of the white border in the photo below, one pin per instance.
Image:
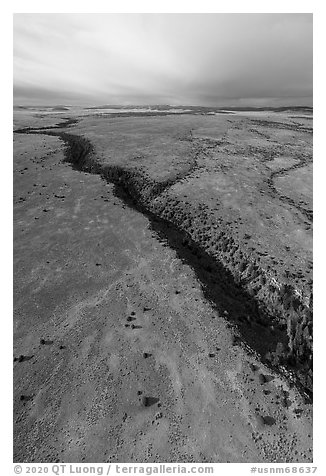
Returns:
(319, 186)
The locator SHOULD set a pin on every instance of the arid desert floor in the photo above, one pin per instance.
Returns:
(163, 287)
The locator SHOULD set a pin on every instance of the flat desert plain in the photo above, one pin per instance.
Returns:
(163, 287)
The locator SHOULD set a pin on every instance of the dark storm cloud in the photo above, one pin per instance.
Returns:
(170, 58)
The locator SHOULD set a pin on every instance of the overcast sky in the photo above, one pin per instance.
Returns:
(204, 59)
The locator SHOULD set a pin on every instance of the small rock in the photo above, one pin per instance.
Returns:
(46, 342)
(26, 398)
(262, 379)
(149, 401)
(268, 420)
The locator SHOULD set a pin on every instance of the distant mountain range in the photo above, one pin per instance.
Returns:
(168, 107)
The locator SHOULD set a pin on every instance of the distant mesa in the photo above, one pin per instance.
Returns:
(201, 109)
(60, 108)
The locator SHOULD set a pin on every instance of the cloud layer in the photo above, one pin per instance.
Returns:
(208, 59)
